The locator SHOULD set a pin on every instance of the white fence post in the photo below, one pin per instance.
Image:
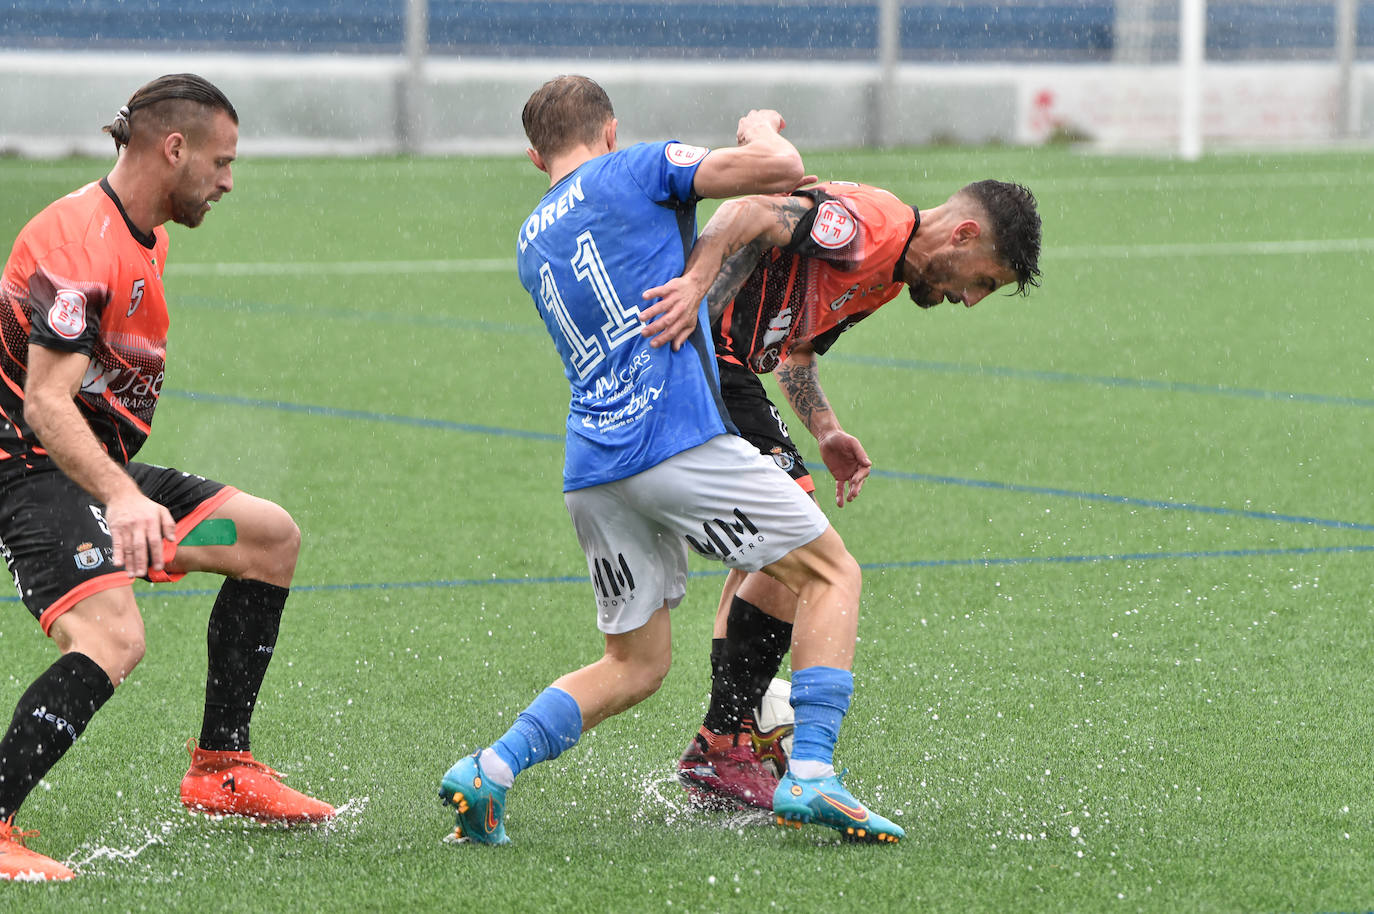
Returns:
(410, 116)
(1192, 54)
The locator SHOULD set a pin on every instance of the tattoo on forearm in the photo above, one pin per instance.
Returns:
(802, 386)
(741, 260)
(789, 214)
(733, 272)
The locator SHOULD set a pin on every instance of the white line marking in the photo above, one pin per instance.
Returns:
(345, 267)
(507, 265)
(1216, 249)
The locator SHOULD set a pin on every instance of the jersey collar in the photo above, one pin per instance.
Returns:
(147, 239)
(901, 260)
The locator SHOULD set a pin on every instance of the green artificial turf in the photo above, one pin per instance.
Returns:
(1117, 618)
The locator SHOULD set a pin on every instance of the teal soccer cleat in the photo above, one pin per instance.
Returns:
(824, 801)
(481, 804)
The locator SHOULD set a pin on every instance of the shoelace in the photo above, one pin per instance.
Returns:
(17, 835)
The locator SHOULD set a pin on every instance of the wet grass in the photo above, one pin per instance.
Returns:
(1117, 608)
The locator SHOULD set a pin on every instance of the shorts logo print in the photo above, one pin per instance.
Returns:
(612, 583)
(88, 556)
(741, 534)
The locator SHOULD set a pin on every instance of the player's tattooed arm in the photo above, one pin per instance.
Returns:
(756, 223)
(733, 273)
(842, 453)
(800, 382)
(778, 223)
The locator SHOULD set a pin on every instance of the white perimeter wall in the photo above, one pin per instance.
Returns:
(55, 103)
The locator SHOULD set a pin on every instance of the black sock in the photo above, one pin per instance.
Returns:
(742, 665)
(240, 639)
(48, 719)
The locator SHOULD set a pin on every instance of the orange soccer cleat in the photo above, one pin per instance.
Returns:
(19, 863)
(236, 784)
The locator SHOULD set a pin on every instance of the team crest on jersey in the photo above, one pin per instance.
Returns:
(834, 226)
(88, 556)
(67, 316)
(682, 154)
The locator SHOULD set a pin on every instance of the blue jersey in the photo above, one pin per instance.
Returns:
(621, 223)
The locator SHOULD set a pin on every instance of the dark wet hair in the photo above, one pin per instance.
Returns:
(168, 103)
(565, 112)
(1015, 226)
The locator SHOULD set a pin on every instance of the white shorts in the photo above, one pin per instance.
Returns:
(722, 498)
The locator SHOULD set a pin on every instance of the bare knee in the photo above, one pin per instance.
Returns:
(279, 545)
(640, 676)
(269, 543)
(114, 641)
(824, 562)
(649, 675)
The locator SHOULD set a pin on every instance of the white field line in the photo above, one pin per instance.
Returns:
(1215, 249)
(507, 265)
(345, 267)
(83, 172)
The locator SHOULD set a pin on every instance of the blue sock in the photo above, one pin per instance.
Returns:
(552, 723)
(820, 697)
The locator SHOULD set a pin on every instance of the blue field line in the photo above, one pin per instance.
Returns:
(1105, 381)
(934, 367)
(985, 562)
(989, 562)
(334, 412)
(444, 424)
(1126, 500)
(1065, 377)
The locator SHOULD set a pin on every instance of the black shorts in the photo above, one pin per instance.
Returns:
(56, 544)
(759, 422)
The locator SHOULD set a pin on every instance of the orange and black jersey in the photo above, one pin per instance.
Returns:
(83, 278)
(844, 262)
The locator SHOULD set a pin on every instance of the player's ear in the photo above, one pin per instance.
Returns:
(536, 158)
(610, 134)
(966, 231)
(174, 148)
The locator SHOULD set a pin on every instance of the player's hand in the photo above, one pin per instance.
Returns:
(676, 314)
(765, 119)
(138, 525)
(846, 460)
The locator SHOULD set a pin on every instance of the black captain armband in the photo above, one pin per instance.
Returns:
(825, 230)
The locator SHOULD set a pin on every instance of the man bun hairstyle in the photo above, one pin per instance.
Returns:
(565, 112)
(174, 102)
(1015, 226)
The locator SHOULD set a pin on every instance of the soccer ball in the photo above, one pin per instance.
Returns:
(773, 726)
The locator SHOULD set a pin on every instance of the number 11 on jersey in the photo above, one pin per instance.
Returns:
(589, 345)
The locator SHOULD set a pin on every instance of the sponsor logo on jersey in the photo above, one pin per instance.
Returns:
(88, 556)
(683, 155)
(67, 316)
(844, 297)
(834, 227)
(769, 354)
(727, 540)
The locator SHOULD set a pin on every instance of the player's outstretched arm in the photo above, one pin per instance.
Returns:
(736, 236)
(844, 456)
(763, 162)
(137, 524)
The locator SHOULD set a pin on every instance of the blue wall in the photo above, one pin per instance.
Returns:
(1045, 30)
